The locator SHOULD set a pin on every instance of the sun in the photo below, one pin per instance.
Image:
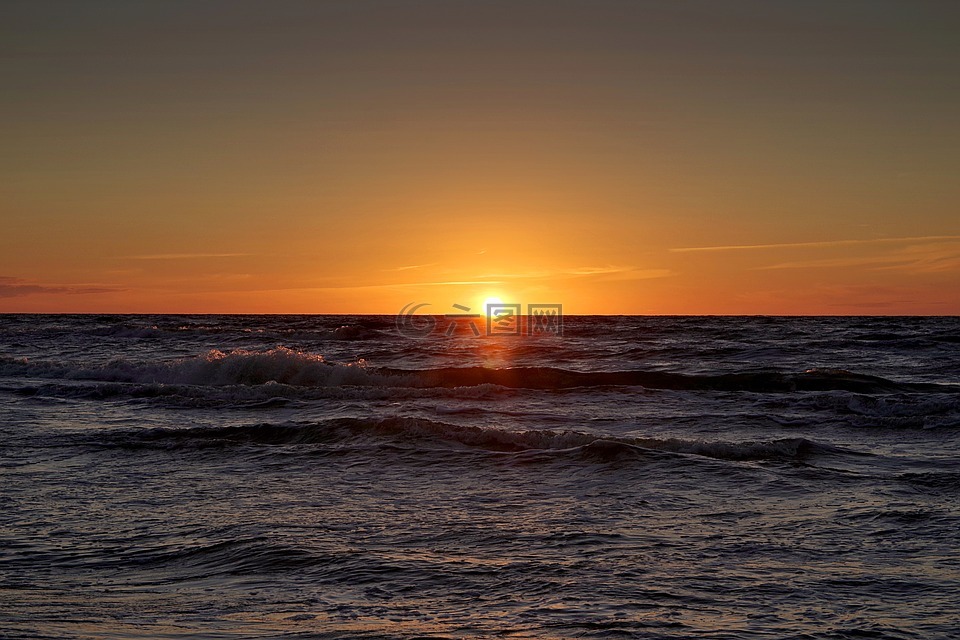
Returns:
(490, 301)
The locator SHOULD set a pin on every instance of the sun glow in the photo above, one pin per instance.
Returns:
(489, 303)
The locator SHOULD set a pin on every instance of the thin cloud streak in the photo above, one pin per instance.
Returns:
(915, 259)
(592, 271)
(607, 272)
(825, 243)
(830, 263)
(11, 287)
(444, 283)
(413, 266)
(391, 285)
(184, 256)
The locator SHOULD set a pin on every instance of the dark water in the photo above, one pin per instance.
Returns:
(324, 476)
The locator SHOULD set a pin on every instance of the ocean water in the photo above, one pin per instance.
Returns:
(331, 477)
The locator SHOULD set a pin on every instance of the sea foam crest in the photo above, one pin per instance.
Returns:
(281, 365)
(240, 366)
(298, 368)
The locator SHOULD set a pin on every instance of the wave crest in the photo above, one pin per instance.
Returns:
(419, 434)
(298, 368)
(214, 368)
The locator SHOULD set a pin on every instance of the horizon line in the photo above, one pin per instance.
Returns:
(577, 315)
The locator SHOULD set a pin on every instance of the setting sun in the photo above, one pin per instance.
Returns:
(489, 302)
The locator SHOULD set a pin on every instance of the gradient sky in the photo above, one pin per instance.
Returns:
(731, 157)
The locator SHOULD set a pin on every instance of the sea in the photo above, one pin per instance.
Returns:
(338, 476)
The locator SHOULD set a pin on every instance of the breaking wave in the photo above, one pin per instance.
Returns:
(214, 368)
(297, 368)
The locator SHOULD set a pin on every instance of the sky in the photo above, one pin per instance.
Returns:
(642, 157)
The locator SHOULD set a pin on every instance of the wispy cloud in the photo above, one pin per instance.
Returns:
(824, 243)
(607, 272)
(592, 271)
(444, 283)
(183, 256)
(641, 274)
(519, 275)
(915, 259)
(413, 267)
(528, 278)
(827, 263)
(383, 285)
(878, 304)
(16, 287)
(935, 258)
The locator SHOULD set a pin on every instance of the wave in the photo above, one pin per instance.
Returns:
(228, 329)
(947, 482)
(286, 366)
(214, 368)
(264, 396)
(243, 556)
(200, 559)
(887, 411)
(419, 434)
(764, 381)
(128, 331)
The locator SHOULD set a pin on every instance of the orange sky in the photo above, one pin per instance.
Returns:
(352, 157)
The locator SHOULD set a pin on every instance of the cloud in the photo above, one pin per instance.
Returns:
(935, 258)
(642, 274)
(444, 283)
(411, 267)
(608, 272)
(183, 256)
(879, 304)
(592, 271)
(825, 243)
(382, 285)
(11, 287)
(915, 259)
(611, 272)
(826, 263)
